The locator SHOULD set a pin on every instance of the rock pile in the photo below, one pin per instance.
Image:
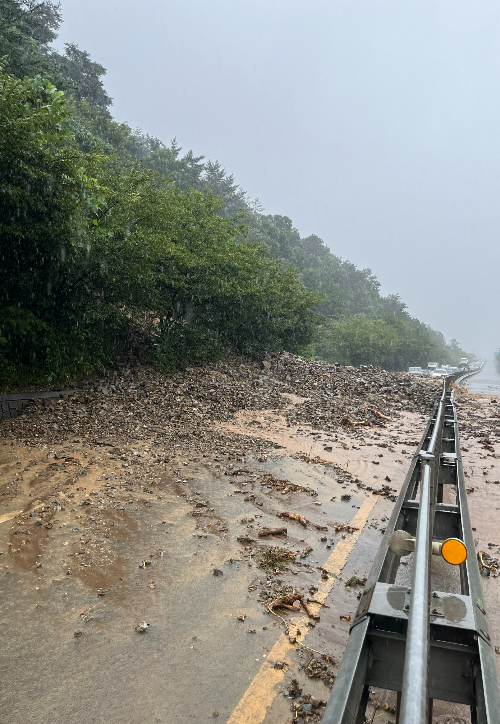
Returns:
(143, 404)
(336, 394)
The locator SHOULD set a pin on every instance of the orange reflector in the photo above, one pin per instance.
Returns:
(454, 551)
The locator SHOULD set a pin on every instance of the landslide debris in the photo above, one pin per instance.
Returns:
(479, 421)
(320, 669)
(111, 448)
(130, 405)
(274, 560)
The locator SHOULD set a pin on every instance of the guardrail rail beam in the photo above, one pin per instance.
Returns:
(422, 644)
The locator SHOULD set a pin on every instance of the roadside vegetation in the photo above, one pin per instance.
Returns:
(115, 246)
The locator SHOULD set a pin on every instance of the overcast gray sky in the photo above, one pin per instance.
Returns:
(371, 123)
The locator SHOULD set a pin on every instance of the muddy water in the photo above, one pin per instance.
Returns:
(112, 673)
(195, 659)
(174, 672)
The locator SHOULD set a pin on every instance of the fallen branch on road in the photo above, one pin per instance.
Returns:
(294, 516)
(379, 414)
(272, 531)
(344, 526)
(348, 420)
(289, 599)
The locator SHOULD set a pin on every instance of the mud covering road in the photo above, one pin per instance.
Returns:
(139, 581)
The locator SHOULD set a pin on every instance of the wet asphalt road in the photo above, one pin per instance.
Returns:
(196, 662)
(486, 382)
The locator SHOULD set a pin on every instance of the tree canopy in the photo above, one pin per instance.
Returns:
(113, 243)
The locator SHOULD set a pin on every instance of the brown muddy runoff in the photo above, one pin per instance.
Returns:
(91, 548)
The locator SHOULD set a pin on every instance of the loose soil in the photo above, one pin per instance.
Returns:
(133, 576)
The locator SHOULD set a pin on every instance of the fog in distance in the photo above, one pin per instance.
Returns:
(373, 124)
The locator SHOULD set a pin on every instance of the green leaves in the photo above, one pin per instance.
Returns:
(357, 340)
(84, 76)
(100, 250)
(207, 289)
(43, 188)
(392, 342)
(108, 237)
(26, 29)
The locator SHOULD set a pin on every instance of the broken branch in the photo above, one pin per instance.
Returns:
(272, 531)
(294, 516)
(378, 414)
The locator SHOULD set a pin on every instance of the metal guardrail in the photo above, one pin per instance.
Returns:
(470, 373)
(12, 404)
(425, 645)
(414, 701)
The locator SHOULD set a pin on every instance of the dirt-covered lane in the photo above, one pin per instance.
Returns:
(138, 582)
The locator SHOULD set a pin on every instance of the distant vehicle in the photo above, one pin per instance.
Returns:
(416, 371)
(440, 372)
(464, 361)
(432, 365)
(452, 370)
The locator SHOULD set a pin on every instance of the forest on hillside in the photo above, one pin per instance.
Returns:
(116, 246)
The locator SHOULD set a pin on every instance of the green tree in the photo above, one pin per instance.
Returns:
(43, 189)
(85, 76)
(414, 346)
(27, 28)
(45, 200)
(185, 172)
(356, 340)
(107, 235)
(206, 287)
(217, 182)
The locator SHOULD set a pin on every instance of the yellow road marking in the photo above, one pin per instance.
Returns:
(8, 516)
(259, 696)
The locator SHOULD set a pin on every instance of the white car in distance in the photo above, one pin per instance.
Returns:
(415, 371)
(440, 372)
